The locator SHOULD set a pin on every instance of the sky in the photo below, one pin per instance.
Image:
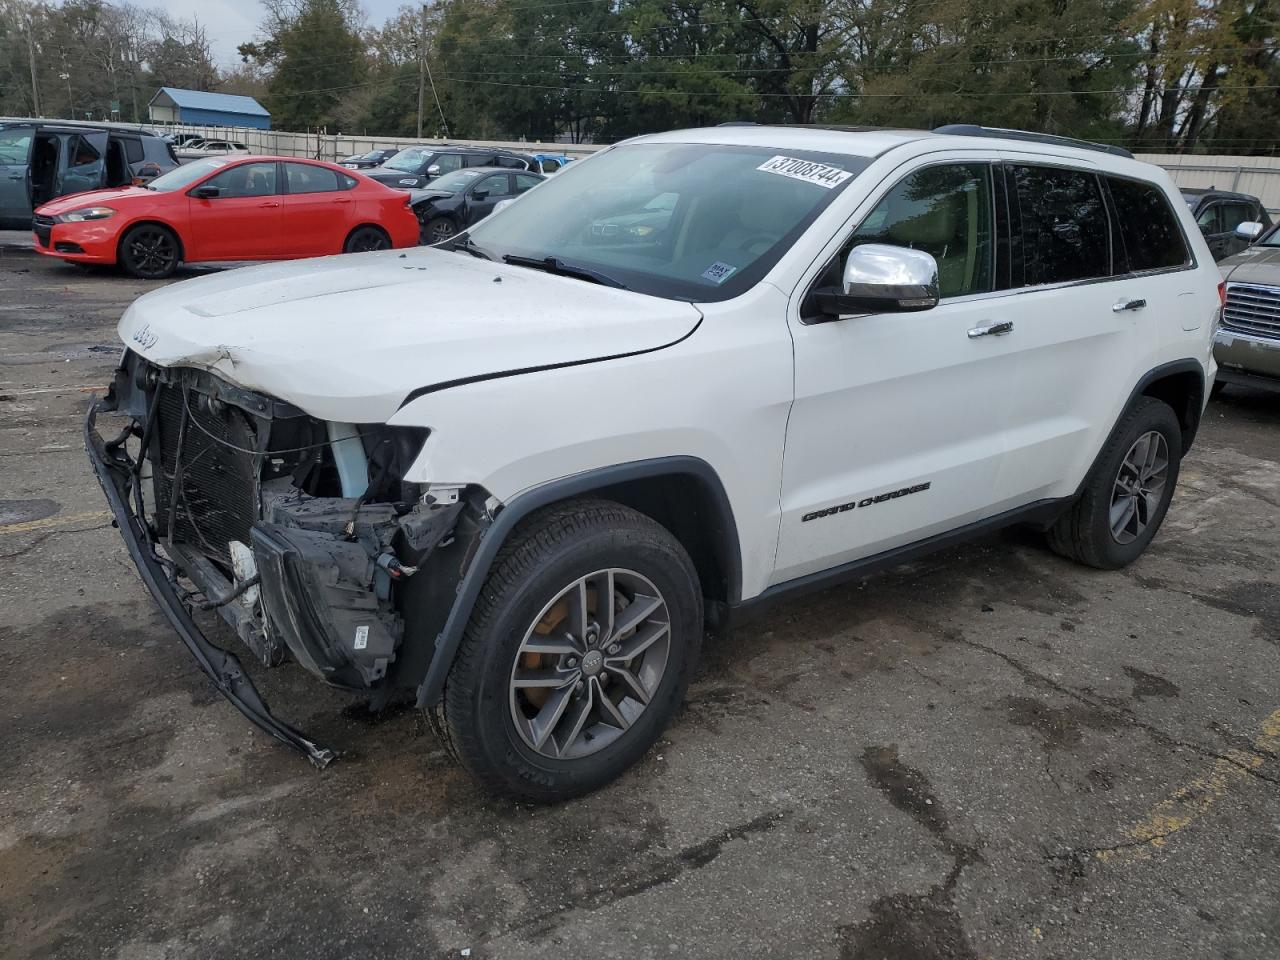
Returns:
(232, 22)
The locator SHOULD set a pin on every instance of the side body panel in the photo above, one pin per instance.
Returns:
(721, 395)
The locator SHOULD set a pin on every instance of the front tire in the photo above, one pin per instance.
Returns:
(552, 694)
(149, 252)
(440, 230)
(1127, 495)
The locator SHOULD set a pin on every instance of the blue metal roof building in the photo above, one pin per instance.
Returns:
(171, 105)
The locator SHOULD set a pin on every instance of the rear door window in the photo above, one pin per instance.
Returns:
(1063, 232)
(1149, 231)
(304, 178)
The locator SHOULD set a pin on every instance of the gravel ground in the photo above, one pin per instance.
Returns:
(990, 753)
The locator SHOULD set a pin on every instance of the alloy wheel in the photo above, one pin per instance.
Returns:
(152, 251)
(368, 240)
(441, 230)
(1139, 487)
(589, 664)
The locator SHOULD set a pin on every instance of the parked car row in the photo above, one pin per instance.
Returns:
(254, 208)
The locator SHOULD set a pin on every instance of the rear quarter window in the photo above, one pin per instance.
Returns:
(1149, 230)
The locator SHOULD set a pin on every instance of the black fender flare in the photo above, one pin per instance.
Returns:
(577, 485)
(1186, 365)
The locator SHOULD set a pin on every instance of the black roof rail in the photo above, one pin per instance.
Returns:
(974, 130)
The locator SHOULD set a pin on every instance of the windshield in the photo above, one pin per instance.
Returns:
(686, 221)
(408, 160)
(456, 181)
(186, 175)
(1270, 238)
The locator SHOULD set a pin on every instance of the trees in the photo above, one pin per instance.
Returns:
(315, 55)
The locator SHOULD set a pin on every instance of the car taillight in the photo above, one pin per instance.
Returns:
(1222, 294)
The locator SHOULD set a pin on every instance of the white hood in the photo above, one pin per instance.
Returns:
(348, 338)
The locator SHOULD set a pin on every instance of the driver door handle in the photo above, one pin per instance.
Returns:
(1124, 305)
(270, 203)
(997, 328)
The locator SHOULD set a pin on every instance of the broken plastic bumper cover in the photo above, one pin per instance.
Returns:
(117, 476)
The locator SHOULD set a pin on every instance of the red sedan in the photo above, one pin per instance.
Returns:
(251, 208)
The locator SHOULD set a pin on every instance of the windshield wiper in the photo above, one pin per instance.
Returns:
(560, 268)
(466, 243)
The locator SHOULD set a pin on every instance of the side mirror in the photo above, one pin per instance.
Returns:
(480, 195)
(433, 170)
(1249, 230)
(880, 278)
(206, 193)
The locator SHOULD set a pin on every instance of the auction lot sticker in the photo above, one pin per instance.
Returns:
(816, 173)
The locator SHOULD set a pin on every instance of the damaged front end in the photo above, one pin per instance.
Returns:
(300, 533)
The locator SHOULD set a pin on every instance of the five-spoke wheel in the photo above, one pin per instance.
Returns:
(1139, 486)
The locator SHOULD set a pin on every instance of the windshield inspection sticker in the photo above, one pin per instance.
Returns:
(718, 272)
(818, 174)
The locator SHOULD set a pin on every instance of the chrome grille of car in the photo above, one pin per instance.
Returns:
(1252, 309)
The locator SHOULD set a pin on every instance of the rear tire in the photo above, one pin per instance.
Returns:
(542, 703)
(149, 251)
(1127, 494)
(367, 240)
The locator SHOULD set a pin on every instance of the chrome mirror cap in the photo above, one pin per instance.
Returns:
(1249, 230)
(878, 277)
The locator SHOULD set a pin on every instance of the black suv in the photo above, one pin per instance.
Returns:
(1219, 212)
(44, 159)
(415, 167)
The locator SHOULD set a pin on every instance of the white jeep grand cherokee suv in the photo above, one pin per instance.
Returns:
(512, 477)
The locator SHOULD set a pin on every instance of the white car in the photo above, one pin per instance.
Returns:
(513, 476)
(197, 149)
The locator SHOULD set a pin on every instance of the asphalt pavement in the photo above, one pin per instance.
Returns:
(989, 753)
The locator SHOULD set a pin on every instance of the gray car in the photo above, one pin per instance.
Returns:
(44, 159)
(1247, 345)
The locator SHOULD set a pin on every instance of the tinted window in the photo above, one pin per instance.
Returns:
(512, 163)
(304, 178)
(246, 180)
(1064, 233)
(495, 185)
(132, 149)
(1208, 220)
(525, 182)
(82, 153)
(448, 162)
(1148, 227)
(1233, 214)
(946, 212)
(550, 166)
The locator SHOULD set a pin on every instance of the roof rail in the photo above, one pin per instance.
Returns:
(974, 130)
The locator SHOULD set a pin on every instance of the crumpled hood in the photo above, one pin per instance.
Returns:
(92, 198)
(348, 338)
(1256, 265)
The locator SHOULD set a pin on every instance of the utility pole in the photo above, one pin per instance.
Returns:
(31, 55)
(422, 66)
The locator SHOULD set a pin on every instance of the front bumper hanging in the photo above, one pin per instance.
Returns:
(118, 476)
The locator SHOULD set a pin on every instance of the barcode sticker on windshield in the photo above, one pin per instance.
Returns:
(718, 272)
(818, 174)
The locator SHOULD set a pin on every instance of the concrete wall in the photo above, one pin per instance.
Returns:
(1259, 176)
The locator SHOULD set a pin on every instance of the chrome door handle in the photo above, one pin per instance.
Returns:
(997, 329)
(1124, 305)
